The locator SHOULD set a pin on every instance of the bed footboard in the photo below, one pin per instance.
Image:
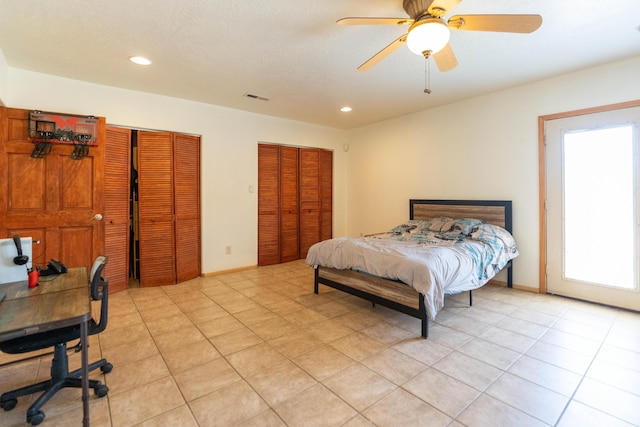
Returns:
(395, 295)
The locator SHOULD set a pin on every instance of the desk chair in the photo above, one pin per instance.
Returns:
(58, 338)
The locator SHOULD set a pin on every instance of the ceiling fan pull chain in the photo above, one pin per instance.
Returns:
(427, 75)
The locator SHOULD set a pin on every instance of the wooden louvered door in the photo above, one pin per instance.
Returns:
(186, 155)
(268, 204)
(54, 199)
(309, 199)
(156, 208)
(117, 205)
(326, 194)
(289, 207)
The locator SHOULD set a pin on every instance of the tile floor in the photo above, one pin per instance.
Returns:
(258, 348)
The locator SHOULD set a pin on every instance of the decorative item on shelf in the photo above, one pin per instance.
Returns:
(47, 128)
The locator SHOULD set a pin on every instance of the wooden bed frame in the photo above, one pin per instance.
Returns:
(400, 296)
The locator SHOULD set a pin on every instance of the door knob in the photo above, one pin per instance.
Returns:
(97, 217)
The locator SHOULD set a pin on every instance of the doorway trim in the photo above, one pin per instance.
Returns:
(542, 176)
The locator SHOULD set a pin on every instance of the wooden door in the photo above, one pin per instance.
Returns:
(326, 194)
(268, 204)
(289, 206)
(116, 206)
(52, 199)
(186, 155)
(309, 199)
(156, 208)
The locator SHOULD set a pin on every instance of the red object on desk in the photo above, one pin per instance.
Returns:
(34, 275)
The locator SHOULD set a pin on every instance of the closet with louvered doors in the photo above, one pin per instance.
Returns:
(163, 227)
(294, 201)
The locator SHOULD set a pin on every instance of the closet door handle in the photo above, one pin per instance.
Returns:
(97, 217)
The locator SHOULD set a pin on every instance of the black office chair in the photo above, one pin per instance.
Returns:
(58, 338)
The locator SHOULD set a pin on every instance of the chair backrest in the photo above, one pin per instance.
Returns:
(96, 275)
(99, 291)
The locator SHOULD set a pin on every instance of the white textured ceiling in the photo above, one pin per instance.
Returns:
(292, 52)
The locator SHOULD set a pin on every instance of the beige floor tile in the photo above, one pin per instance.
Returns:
(401, 408)
(131, 375)
(228, 406)
(168, 324)
(358, 421)
(522, 327)
(160, 312)
(465, 324)
(550, 376)
(579, 415)
(442, 391)
(203, 315)
(280, 382)
(395, 366)
(560, 356)
(196, 304)
(284, 308)
(205, 378)
(253, 360)
(322, 362)
(424, 351)
(145, 402)
(359, 386)
(178, 417)
(468, 370)
(124, 320)
(448, 337)
(125, 353)
(358, 319)
(304, 317)
(186, 357)
(151, 303)
(329, 330)
(357, 346)
(309, 409)
(234, 341)
(571, 342)
(255, 315)
(507, 339)
(273, 328)
(537, 401)
(265, 419)
(387, 333)
(115, 337)
(619, 356)
(178, 338)
(489, 412)
(220, 326)
(610, 400)
(296, 343)
(490, 353)
(235, 302)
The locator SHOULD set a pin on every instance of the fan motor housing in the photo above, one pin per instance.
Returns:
(416, 8)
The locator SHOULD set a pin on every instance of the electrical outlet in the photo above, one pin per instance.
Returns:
(228, 250)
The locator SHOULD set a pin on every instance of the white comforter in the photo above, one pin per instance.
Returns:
(433, 268)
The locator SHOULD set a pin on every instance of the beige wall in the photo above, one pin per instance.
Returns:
(229, 151)
(483, 148)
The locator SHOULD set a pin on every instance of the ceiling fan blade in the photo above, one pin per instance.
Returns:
(383, 53)
(445, 59)
(375, 21)
(446, 5)
(499, 23)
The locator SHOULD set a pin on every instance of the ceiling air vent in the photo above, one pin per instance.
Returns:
(253, 96)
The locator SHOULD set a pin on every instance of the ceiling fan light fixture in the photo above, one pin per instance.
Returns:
(428, 35)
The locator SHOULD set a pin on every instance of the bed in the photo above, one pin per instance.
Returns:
(387, 268)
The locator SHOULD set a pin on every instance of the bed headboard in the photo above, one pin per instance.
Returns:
(497, 212)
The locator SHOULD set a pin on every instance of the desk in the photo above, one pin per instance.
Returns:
(55, 303)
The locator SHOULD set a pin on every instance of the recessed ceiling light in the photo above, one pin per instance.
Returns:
(140, 60)
(346, 109)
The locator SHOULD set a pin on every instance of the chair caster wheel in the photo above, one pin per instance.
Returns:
(106, 368)
(101, 391)
(36, 419)
(8, 405)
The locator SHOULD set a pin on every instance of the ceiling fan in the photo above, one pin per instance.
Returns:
(429, 33)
